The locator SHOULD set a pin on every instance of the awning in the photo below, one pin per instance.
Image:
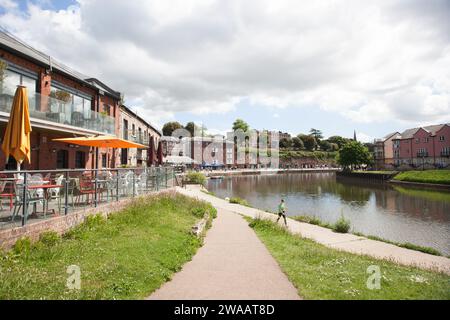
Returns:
(102, 142)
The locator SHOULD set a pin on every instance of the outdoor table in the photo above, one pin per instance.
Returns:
(45, 187)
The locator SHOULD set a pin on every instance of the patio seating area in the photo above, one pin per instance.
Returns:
(30, 196)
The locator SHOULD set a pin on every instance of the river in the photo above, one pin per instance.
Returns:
(400, 214)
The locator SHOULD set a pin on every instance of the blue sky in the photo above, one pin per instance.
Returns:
(374, 67)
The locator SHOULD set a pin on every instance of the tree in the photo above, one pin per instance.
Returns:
(285, 143)
(298, 143)
(340, 141)
(170, 127)
(240, 124)
(316, 134)
(309, 141)
(334, 147)
(325, 145)
(191, 127)
(353, 154)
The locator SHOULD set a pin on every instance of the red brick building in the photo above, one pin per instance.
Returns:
(63, 103)
(426, 147)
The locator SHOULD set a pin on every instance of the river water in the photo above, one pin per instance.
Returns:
(401, 214)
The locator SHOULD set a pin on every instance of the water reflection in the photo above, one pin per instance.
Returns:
(395, 213)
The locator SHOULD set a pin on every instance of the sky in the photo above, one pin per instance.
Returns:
(375, 66)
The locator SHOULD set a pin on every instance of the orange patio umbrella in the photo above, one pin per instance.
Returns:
(16, 141)
(102, 142)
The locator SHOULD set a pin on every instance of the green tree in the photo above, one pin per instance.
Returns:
(325, 145)
(285, 143)
(309, 141)
(353, 154)
(340, 141)
(240, 124)
(3, 74)
(316, 134)
(170, 127)
(298, 143)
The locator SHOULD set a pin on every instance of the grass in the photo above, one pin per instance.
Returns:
(128, 256)
(319, 272)
(433, 195)
(375, 172)
(237, 200)
(208, 192)
(426, 176)
(196, 177)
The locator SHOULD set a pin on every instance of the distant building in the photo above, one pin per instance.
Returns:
(384, 151)
(422, 147)
(134, 128)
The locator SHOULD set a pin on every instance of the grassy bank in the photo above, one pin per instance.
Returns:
(316, 221)
(127, 256)
(319, 272)
(427, 176)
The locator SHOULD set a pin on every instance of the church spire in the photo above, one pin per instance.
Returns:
(354, 136)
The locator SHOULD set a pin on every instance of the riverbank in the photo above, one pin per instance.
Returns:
(344, 242)
(127, 256)
(320, 272)
(227, 173)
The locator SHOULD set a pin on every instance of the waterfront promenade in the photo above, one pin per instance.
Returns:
(346, 242)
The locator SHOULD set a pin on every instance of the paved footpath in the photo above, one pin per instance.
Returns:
(232, 264)
(345, 242)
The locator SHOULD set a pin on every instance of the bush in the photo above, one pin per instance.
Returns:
(240, 201)
(49, 238)
(22, 245)
(196, 177)
(342, 225)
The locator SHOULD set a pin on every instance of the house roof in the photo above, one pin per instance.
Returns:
(409, 133)
(386, 137)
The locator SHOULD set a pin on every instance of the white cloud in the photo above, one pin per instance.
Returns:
(368, 61)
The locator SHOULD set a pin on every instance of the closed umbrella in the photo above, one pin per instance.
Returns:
(160, 153)
(16, 141)
(151, 153)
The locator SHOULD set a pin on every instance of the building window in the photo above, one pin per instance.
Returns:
(124, 157)
(133, 130)
(80, 160)
(441, 138)
(417, 140)
(107, 109)
(104, 161)
(62, 159)
(12, 79)
(426, 140)
(125, 129)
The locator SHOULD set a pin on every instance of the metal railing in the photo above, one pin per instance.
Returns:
(61, 192)
(58, 111)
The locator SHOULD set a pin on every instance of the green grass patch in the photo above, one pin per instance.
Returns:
(375, 172)
(127, 256)
(196, 177)
(237, 200)
(312, 220)
(426, 176)
(319, 272)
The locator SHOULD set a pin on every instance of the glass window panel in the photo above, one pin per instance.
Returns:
(31, 88)
(11, 81)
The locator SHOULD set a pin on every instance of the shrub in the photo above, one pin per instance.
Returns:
(240, 201)
(23, 245)
(196, 177)
(49, 238)
(342, 225)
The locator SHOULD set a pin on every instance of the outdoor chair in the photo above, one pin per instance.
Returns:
(86, 188)
(6, 192)
(32, 200)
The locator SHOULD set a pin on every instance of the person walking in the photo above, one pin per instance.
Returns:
(282, 211)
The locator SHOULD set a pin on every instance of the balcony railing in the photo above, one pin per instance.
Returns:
(422, 154)
(61, 112)
(137, 139)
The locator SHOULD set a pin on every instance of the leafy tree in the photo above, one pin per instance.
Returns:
(334, 147)
(170, 127)
(325, 145)
(191, 127)
(240, 124)
(340, 141)
(370, 146)
(285, 143)
(298, 143)
(316, 134)
(309, 141)
(353, 154)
